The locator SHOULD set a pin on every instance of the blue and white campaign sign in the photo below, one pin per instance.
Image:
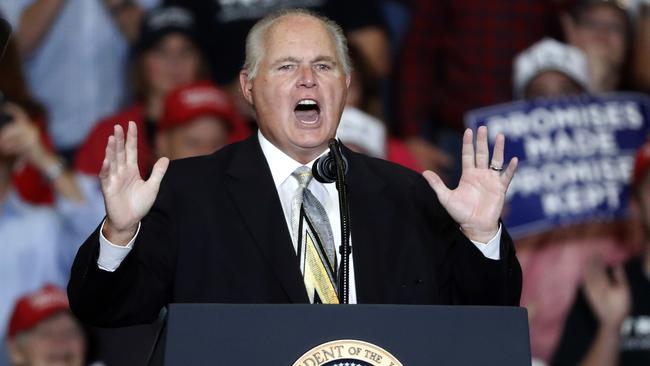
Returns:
(576, 156)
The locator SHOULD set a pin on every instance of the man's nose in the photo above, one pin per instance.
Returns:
(307, 78)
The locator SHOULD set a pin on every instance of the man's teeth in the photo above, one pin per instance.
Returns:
(307, 102)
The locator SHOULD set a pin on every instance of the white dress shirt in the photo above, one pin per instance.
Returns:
(282, 166)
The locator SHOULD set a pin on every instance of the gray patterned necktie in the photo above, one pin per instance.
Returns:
(315, 242)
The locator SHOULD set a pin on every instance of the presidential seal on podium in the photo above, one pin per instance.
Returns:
(347, 352)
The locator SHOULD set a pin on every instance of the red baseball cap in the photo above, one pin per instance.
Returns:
(35, 307)
(197, 99)
(641, 164)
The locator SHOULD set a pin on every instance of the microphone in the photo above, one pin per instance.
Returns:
(332, 168)
(324, 168)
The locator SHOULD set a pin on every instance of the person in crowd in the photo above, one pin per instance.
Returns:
(39, 193)
(42, 175)
(359, 128)
(550, 69)
(20, 136)
(364, 86)
(608, 322)
(456, 57)
(603, 30)
(43, 331)
(38, 242)
(74, 53)
(167, 56)
(198, 119)
(365, 134)
(225, 24)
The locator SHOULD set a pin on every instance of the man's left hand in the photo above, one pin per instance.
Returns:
(477, 202)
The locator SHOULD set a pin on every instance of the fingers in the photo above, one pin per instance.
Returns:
(106, 166)
(21, 138)
(120, 153)
(132, 144)
(158, 172)
(509, 173)
(497, 152)
(438, 186)
(619, 276)
(9, 136)
(482, 150)
(482, 157)
(14, 147)
(467, 153)
(595, 279)
(11, 132)
(110, 155)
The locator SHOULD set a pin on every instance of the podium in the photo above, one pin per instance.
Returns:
(346, 335)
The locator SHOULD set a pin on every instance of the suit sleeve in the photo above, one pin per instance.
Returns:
(137, 290)
(465, 275)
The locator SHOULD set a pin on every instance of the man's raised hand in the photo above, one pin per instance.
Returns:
(477, 202)
(127, 197)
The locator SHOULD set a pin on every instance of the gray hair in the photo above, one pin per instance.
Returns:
(257, 34)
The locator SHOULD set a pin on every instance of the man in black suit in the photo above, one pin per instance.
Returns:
(218, 228)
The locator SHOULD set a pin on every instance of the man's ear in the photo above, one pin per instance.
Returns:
(348, 79)
(246, 85)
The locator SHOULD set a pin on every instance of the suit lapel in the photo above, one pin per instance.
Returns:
(370, 221)
(253, 191)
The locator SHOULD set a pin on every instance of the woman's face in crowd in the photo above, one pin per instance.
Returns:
(551, 84)
(201, 136)
(173, 61)
(602, 30)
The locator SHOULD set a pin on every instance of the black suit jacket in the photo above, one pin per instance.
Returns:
(217, 233)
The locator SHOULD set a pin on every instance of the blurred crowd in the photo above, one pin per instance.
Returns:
(75, 68)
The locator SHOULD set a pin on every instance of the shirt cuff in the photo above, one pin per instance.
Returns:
(111, 255)
(492, 249)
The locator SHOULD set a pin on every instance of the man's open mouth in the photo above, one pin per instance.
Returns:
(307, 111)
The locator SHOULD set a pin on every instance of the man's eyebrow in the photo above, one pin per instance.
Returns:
(286, 59)
(325, 58)
(296, 60)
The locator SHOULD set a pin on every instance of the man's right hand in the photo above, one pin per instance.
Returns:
(127, 197)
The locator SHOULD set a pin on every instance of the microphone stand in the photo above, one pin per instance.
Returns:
(344, 250)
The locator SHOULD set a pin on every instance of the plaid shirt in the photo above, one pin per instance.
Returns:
(458, 56)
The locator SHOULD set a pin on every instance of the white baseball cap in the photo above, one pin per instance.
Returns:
(549, 55)
(363, 130)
